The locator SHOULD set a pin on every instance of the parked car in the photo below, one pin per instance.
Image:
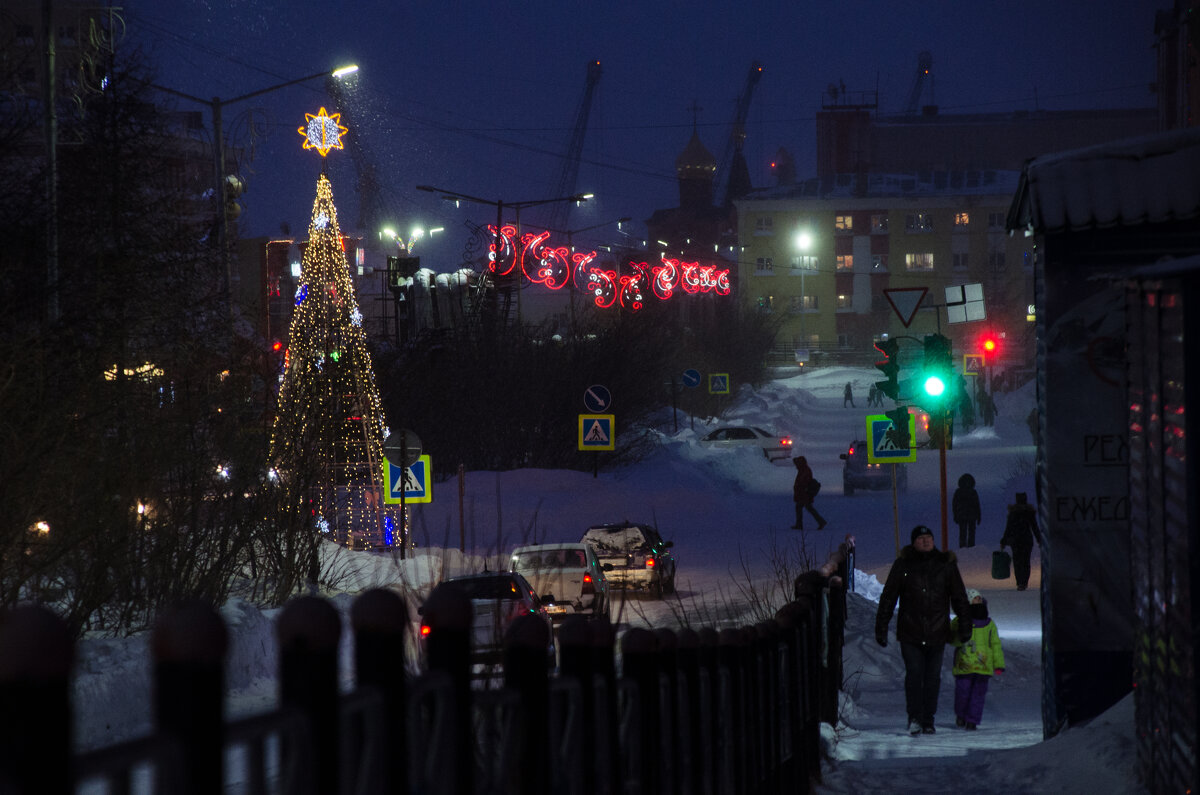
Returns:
(634, 557)
(774, 446)
(859, 473)
(568, 578)
(922, 426)
(497, 599)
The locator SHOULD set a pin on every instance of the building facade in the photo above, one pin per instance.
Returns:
(822, 254)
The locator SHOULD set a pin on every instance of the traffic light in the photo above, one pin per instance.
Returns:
(937, 372)
(898, 435)
(941, 429)
(890, 366)
(989, 346)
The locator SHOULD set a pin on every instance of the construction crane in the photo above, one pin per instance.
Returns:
(737, 134)
(924, 65)
(560, 213)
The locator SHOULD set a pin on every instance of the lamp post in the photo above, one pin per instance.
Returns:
(216, 105)
(804, 244)
(500, 204)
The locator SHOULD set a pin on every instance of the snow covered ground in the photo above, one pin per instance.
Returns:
(729, 514)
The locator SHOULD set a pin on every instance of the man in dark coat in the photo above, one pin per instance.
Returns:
(927, 583)
(1020, 531)
(965, 507)
(803, 493)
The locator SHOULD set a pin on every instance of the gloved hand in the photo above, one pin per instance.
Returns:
(998, 671)
(964, 632)
(881, 638)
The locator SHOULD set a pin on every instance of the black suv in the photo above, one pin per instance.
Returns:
(858, 473)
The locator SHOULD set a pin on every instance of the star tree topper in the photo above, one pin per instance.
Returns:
(323, 131)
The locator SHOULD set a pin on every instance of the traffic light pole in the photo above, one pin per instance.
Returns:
(942, 476)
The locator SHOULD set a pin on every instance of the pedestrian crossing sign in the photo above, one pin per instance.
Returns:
(415, 480)
(881, 447)
(596, 432)
(718, 383)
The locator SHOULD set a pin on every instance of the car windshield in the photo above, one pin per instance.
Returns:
(487, 588)
(551, 559)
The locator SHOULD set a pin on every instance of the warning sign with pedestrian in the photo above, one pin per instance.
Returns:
(596, 432)
(882, 447)
(413, 480)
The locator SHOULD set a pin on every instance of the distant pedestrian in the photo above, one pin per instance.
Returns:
(804, 489)
(848, 396)
(966, 410)
(965, 507)
(927, 583)
(987, 409)
(872, 396)
(976, 661)
(1020, 531)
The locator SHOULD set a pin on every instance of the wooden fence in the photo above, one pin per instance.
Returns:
(691, 712)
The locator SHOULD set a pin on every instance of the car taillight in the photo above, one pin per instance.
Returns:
(786, 441)
(851, 452)
(650, 562)
(588, 586)
(425, 630)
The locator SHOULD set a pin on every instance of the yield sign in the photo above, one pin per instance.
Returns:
(905, 300)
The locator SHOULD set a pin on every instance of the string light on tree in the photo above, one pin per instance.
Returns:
(327, 439)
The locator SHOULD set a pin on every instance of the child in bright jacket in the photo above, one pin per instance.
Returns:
(975, 661)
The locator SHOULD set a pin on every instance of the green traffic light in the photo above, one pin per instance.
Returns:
(934, 386)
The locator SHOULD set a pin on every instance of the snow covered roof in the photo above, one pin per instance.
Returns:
(1145, 180)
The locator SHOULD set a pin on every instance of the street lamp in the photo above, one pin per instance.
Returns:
(216, 104)
(500, 204)
(804, 244)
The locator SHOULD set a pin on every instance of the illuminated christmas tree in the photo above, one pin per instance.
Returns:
(327, 441)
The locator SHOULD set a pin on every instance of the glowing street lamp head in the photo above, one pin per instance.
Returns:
(345, 70)
(804, 241)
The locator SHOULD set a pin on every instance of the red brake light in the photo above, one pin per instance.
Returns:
(786, 441)
(851, 451)
(425, 630)
(588, 587)
(587, 578)
(650, 562)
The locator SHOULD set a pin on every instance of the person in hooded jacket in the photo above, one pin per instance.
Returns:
(975, 662)
(803, 493)
(965, 507)
(1020, 531)
(927, 583)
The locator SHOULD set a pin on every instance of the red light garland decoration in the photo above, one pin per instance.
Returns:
(555, 266)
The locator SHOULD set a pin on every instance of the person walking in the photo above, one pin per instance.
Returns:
(872, 396)
(848, 396)
(927, 583)
(965, 507)
(1020, 531)
(804, 489)
(976, 661)
(987, 408)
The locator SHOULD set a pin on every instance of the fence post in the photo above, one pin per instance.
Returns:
(380, 620)
(668, 716)
(448, 614)
(767, 633)
(688, 711)
(603, 636)
(36, 655)
(575, 661)
(731, 711)
(526, 672)
(788, 620)
(189, 643)
(308, 633)
(709, 689)
(639, 649)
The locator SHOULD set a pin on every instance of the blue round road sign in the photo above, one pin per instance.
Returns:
(597, 399)
(691, 378)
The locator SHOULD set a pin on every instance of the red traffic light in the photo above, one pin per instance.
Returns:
(277, 346)
(989, 344)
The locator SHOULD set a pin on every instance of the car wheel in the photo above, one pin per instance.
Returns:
(670, 586)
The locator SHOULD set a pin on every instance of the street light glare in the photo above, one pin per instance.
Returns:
(803, 241)
(345, 70)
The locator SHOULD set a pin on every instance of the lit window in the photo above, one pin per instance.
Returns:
(919, 262)
(806, 262)
(764, 225)
(879, 223)
(962, 219)
(809, 302)
(764, 265)
(960, 262)
(845, 262)
(843, 223)
(918, 222)
(843, 302)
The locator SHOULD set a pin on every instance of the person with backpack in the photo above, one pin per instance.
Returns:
(804, 489)
(1020, 531)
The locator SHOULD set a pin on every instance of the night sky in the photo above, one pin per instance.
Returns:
(480, 97)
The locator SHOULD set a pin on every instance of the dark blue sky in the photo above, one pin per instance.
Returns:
(479, 97)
